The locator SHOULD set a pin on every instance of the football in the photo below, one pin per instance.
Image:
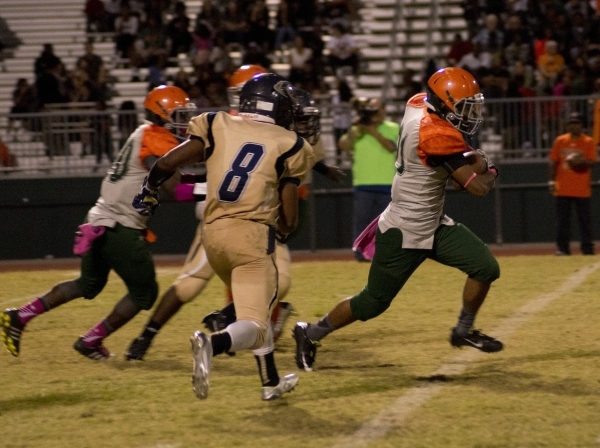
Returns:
(477, 164)
(577, 162)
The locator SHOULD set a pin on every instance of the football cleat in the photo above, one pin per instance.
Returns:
(12, 328)
(306, 350)
(202, 352)
(477, 340)
(215, 321)
(286, 384)
(97, 352)
(138, 348)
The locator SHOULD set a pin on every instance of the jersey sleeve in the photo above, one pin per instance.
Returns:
(296, 162)
(439, 138)
(156, 142)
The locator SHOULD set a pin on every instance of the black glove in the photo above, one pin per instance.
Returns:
(146, 201)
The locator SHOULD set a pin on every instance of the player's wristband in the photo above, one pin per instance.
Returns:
(473, 176)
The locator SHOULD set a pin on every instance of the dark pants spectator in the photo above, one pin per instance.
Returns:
(564, 206)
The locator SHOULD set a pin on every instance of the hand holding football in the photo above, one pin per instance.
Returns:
(577, 162)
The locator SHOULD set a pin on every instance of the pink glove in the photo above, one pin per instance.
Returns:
(365, 242)
(85, 236)
(184, 193)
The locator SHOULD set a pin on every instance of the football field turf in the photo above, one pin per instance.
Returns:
(394, 381)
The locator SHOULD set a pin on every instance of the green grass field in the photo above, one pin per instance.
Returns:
(392, 382)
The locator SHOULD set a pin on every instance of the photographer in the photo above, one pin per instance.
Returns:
(372, 143)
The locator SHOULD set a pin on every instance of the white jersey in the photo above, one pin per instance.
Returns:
(124, 178)
(418, 190)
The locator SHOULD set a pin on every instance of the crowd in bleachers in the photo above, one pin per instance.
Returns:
(154, 34)
(524, 48)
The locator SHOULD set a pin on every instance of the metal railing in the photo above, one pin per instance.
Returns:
(78, 140)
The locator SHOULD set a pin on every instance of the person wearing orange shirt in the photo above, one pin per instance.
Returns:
(571, 157)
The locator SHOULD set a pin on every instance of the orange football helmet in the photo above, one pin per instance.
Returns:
(453, 94)
(170, 107)
(237, 81)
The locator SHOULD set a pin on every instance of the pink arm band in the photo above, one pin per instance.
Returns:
(473, 176)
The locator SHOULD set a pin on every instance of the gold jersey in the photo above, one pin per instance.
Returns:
(245, 163)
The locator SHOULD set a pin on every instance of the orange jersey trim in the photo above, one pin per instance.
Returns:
(437, 137)
(156, 141)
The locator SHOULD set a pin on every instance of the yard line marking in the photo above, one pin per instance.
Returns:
(394, 415)
(159, 273)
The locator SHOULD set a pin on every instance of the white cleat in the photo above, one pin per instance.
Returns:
(286, 384)
(202, 352)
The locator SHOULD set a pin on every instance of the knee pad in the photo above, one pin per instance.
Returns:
(246, 334)
(187, 288)
(364, 306)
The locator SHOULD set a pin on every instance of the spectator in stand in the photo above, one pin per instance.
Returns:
(157, 70)
(50, 85)
(96, 16)
(410, 87)
(113, 10)
(182, 80)
(578, 34)
(127, 121)
(7, 158)
(494, 81)
(491, 38)
(179, 37)
(539, 44)
(23, 102)
(258, 25)
(234, 24)
(93, 62)
(46, 59)
(517, 50)
(343, 51)
(471, 13)
(299, 58)
(549, 65)
(203, 44)
(571, 184)
(284, 30)
(514, 28)
(458, 48)
(102, 141)
(564, 83)
(210, 14)
(582, 7)
(152, 39)
(219, 56)
(303, 13)
(476, 60)
(341, 113)
(126, 29)
(255, 55)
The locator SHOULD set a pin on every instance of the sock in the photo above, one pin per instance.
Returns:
(465, 322)
(267, 370)
(318, 331)
(221, 342)
(96, 334)
(30, 310)
(151, 329)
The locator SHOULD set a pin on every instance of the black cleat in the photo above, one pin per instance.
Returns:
(215, 321)
(306, 349)
(97, 353)
(476, 339)
(12, 328)
(138, 348)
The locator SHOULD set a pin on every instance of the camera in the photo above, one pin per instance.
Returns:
(365, 110)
